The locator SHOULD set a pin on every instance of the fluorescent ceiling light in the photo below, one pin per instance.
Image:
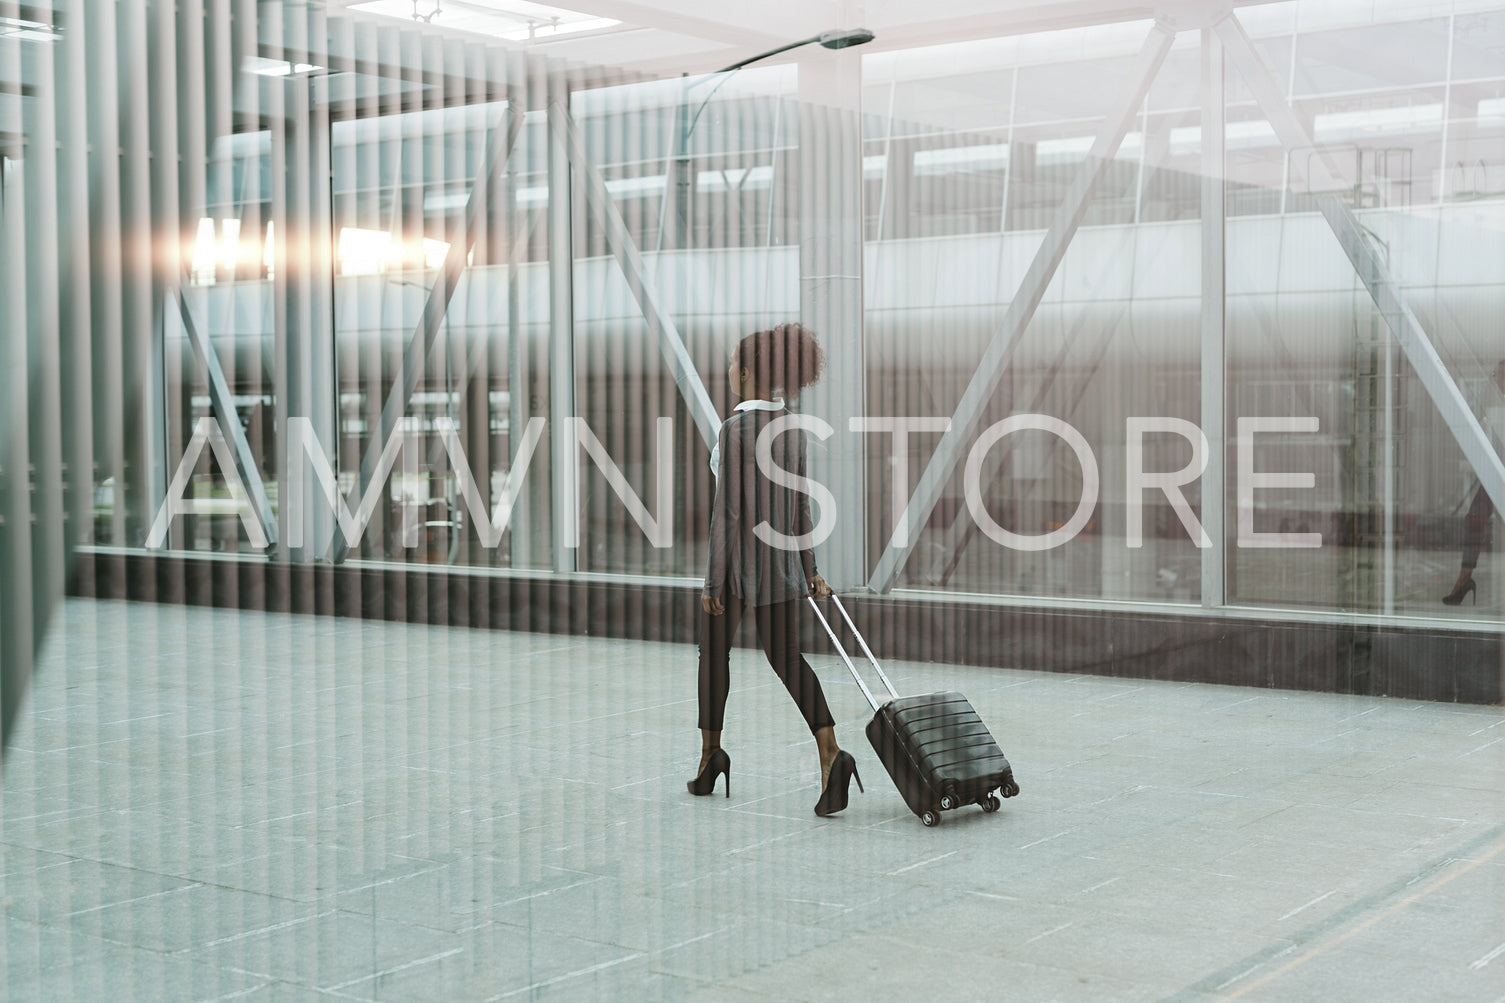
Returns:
(1075, 148)
(513, 20)
(735, 179)
(1242, 135)
(651, 184)
(279, 67)
(371, 252)
(991, 157)
(444, 201)
(1370, 121)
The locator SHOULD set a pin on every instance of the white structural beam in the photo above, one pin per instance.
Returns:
(1214, 319)
(1371, 268)
(661, 326)
(564, 498)
(829, 180)
(995, 358)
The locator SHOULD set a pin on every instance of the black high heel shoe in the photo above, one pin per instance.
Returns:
(834, 798)
(720, 764)
(1456, 597)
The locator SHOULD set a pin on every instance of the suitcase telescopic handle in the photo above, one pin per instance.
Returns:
(872, 701)
(865, 649)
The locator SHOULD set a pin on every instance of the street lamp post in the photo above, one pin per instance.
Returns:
(674, 231)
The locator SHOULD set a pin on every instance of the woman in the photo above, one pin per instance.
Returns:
(1477, 522)
(746, 570)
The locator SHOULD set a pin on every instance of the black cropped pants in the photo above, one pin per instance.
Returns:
(1476, 527)
(778, 632)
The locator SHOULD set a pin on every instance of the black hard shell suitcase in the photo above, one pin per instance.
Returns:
(937, 750)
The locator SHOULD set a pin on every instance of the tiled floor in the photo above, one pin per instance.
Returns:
(208, 804)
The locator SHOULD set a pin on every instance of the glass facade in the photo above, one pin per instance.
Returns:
(354, 310)
(333, 303)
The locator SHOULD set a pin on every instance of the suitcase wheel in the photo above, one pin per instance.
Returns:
(1010, 788)
(948, 802)
(931, 817)
(991, 803)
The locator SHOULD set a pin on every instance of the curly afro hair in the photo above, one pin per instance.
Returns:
(786, 358)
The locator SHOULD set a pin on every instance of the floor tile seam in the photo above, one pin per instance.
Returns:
(1386, 814)
(1353, 910)
(266, 980)
(70, 931)
(782, 995)
(634, 956)
(275, 980)
(864, 925)
(406, 966)
(243, 993)
(1369, 944)
(193, 949)
(1108, 972)
(203, 883)
(48, 818)
(1380, 842)
(335, 914)
(703, 985)
(78, 858)
(1123, 913)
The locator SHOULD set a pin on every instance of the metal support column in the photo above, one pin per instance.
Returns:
(20, 632)
(1372, 270)
(990, 368)
(518, 365)
(141, 288)
(303, 292)
(1214, 321)
(831, 302)
(41, 395)
(562, 454)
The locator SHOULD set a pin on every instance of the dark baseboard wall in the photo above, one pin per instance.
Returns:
(1423, 663)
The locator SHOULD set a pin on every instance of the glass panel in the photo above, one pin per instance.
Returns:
(1371, 57)
(1110, 340)
(1056, 118)
(737, 190)
(406, 169)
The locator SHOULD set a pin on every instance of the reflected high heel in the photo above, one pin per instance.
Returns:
(1456, 597)
(834, 798)
(720, 764)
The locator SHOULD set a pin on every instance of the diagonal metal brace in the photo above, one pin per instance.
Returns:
(963, 528)
(499, 144)
(1371, 269)
(995, 358)
(660, 325)
(222, 401)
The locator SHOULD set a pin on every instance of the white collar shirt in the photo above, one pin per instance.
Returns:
(777, 404)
